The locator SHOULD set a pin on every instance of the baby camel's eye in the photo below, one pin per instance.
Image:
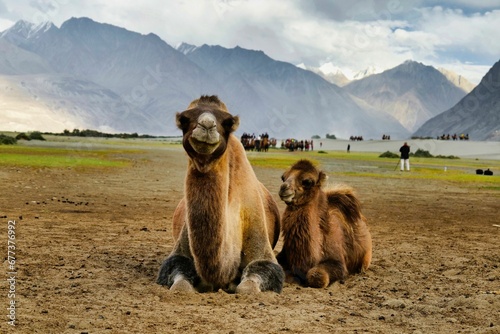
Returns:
(307, 183)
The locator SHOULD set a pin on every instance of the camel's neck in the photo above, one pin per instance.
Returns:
(206, 199)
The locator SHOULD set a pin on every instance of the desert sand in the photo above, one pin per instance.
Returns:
(89, 243)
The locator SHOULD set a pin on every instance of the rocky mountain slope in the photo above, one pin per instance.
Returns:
(477, 114)
(411, 92)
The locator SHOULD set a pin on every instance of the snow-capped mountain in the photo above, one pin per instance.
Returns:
(340, 76)
(411, 92)
(329, 72)
(370, 70)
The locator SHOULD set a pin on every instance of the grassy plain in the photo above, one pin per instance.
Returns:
(368, 164)
(36, 156)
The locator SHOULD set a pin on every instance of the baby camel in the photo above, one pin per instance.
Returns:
(325, 234)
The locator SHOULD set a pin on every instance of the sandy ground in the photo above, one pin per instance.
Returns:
(89, 244)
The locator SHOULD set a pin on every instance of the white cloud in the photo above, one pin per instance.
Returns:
(455, 30)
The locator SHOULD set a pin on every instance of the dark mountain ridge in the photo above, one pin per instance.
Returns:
(477, 114)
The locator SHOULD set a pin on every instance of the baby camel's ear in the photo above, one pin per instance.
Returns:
(322, 179)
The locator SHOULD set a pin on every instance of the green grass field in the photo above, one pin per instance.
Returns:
(60, 152)
(28, 156)
(367, 164)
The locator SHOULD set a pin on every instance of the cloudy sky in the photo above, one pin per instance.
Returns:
(461, 35)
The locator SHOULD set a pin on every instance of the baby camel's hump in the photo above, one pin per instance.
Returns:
(345, 210)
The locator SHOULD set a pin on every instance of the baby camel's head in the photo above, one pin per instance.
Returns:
(301, 182)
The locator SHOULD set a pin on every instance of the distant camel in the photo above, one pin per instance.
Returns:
(227, 224)
(325, 234)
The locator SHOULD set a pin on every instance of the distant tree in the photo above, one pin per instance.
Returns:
(388, 154)
(36, 135)
(422, 154)
(316, 137)
(330, 136)
(7, 140)
(22, 136)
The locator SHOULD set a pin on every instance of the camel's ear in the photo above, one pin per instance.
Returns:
(181, 120)
(322, 179)
(230, 124)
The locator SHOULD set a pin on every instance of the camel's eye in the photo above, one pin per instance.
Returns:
(307, 183)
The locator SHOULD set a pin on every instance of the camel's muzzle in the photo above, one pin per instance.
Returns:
(286, 193)
(205, 137)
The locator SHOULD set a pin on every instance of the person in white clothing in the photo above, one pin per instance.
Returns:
(405, 156)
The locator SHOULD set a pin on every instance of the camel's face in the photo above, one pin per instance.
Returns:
(300, 183)
(206, 130)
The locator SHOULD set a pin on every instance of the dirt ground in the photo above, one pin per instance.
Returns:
(89, 244)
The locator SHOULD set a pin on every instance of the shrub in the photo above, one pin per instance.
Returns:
(447, 157)
(388, 154)
(330, 136)
(422, 154)
(36, 135)
(316, 137)
(7, 140)
(23, 136)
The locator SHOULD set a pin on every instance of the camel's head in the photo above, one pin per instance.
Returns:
(206, 126)
(301, 182)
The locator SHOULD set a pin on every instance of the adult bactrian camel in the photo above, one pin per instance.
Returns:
(325, 236)
(227, 224)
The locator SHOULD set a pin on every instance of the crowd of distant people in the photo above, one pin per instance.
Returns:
(293, 144)
(453, 137)
(262, 142)
(259, 143)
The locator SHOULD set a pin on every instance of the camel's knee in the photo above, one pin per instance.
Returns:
(177, 272)
(318, 277)
(261, 275)
(326, 273)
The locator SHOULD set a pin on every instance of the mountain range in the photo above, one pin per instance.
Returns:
(94, 75)
(477, 114)
(411, 92)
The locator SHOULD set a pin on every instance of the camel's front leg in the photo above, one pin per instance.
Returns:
(290, 276)
(178, 273)
(261, 275)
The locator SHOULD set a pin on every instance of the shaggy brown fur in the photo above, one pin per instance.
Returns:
(325, 234)
(227, 223)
